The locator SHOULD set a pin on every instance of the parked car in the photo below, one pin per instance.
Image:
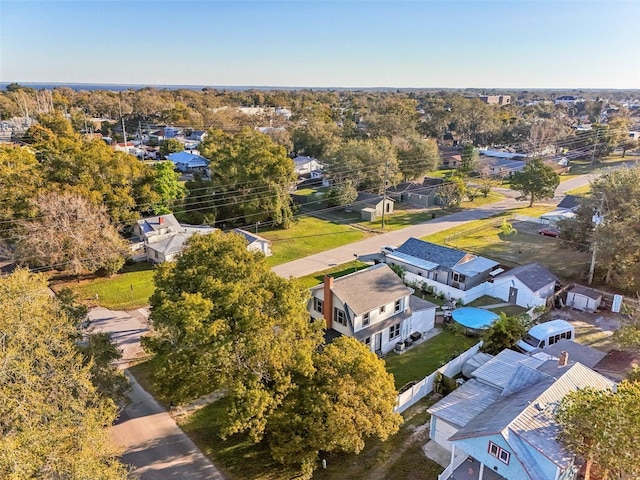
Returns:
(549, 232)
(387, 249)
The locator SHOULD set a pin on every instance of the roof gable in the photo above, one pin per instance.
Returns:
(533, 275)
(370, 288)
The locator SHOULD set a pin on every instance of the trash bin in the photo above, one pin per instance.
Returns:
(433, 215)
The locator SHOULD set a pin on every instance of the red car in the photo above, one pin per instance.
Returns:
(549, 232)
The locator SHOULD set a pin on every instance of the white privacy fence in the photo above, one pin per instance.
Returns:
(425, 386)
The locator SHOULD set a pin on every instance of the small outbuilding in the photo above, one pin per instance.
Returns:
(584, 298)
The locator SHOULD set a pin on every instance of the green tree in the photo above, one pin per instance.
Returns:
(536, 182)
(452, 192)
(603, 427)
(364, 162)
(70, 235)
(171, 145)
(251, 175)
(504, 333)
(349, 398)
(199, 204)
(222, 319)
(342, 193)
(614, 195)
(316, 138)
(167, 187)
(53, 422)
(469, 160)
(417, 156)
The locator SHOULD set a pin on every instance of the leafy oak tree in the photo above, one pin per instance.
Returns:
(251, 175)
(342, 193)
(469, 160)
(222, 319)
(452, 192)
(603, 427)
(349, 398)
(171, 145)
(417, 156)
(167, 187)
(536, 181)
(615, 195)
(54, 422)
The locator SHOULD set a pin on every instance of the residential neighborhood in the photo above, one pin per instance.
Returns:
(319, 240)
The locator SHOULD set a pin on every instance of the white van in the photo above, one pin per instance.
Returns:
(545, 334)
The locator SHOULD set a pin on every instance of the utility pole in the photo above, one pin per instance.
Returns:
(384, 190)
(597, 219)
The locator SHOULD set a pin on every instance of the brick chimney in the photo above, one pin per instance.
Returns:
(161, 220)
(328, 300)
(564, 359)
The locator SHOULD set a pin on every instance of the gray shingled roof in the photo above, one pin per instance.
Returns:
(533, 275)
(250, 237)
(151, 224)
(369, 289)
(416, 304)
(570, 202)
(583, 354)
(445, 256)
(586, 291)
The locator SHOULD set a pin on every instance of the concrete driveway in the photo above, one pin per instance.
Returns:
(153, 444)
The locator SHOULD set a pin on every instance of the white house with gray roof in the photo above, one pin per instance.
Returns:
(255, 243)
(372, 305)
(500, 424)
(527, 285)
(163, 237)
(448, 271)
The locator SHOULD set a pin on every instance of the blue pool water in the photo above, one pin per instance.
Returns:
(475, 318)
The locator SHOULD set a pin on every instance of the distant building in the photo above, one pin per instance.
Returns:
(500, 100)
(567, 100)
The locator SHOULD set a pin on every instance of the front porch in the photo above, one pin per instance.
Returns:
(471, 469)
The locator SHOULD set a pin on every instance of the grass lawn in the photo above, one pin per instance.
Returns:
(400, 457)
(523, 247)
(484, 300)
(308, 236)
(337, 272)
(423, 359)
(124, 291)
(582, 167)
(580, 191)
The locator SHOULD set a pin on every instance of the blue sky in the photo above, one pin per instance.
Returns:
(455, 44)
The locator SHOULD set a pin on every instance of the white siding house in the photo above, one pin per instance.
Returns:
(528, 285)
(373, 306)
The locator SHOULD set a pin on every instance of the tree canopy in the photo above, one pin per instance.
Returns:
(251, 175)
(603, 427)
(504, 333)
(54, 422)
(223, 320)
(536, 182)
(615, 196)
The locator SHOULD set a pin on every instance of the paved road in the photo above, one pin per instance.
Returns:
(153, 444)
(337, 256)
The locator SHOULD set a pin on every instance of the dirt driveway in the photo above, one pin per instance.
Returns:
(592, 329)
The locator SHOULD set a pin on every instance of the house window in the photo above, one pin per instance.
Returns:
(339, 316)
(396, 307)
(458, 277)
(318, 305)
(383, 308)
(367, 341)
(366, 320)
(394, 331)
(155, 253)
(498, 452)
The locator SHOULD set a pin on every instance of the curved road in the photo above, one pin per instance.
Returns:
(153, 444)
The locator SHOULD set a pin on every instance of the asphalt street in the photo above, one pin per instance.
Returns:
(153, 444)
(337, 256)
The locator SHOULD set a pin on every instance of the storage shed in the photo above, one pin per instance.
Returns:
(583, 298)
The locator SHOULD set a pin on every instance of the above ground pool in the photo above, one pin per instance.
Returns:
(475, 319)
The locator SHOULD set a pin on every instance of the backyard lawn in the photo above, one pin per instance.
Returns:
(124, 291)
(308, 236)
(425, 358)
